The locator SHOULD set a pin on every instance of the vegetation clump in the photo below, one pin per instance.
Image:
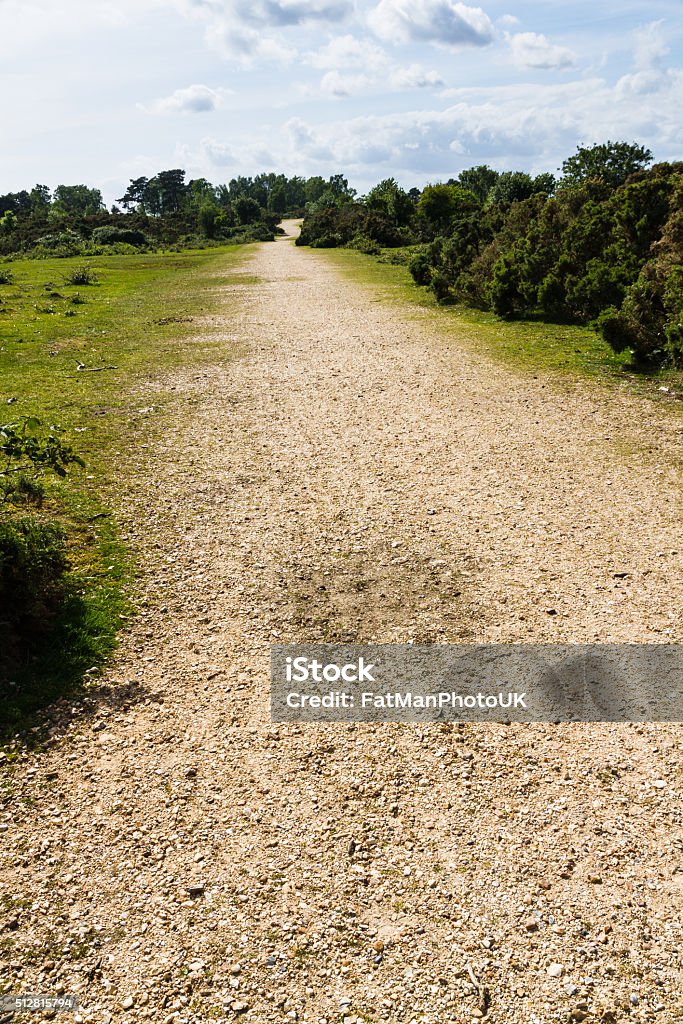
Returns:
(602, 245)
(33, 560)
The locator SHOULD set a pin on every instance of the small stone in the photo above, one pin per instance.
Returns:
(531, 924)
(555, 971)
(578, 1015)
(378, 945)
(196, 890)
(127, 1003)
(634, 999)
(239, 1007)
(236, 969)
(659, 784)
(595, 879)
(191, 773)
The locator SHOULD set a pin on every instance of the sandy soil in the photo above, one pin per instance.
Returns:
(174, 856)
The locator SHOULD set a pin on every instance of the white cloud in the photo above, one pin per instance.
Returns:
(276, 13)
(533, 50)
(195, 99)
(282, 13)
(251, 30)
(393, 79)
(650, 48)
(442, 22)
(334, 83)
(506, 126)
(345, 52)
(648, 56)
(415, 77)
(374, 71)
(247, 45)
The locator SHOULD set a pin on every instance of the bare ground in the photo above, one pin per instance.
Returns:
(173, 856)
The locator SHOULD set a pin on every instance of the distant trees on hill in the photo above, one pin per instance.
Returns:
(163, 210)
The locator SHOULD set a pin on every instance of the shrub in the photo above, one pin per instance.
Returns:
(420, 269)
(59, 243)
(113, 235)
(327, 242)
(81, 275)
(33, 568)
(361, 243)
(28, 453)
(6, 277)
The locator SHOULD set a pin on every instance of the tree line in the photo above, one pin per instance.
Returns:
(161, 211)
(602, 244)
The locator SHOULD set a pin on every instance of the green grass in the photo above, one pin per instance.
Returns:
(142, 316)
(528, 345)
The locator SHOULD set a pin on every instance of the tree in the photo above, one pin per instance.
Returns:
(479, 180)
(613, 162)
(389, 198)
(512, 187)
(314, 188)
(77, 200)
(8, 222)
(247, 210)
(277, 200)
(171, 189)
(206, 219)
(40, 201)
(339, 186)
(439, 204)
(134, 194)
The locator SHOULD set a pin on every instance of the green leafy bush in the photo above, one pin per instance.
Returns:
(27, 454)
(59, 243)
(81, 275)
(33, 561)
(420, 269)
(108, 235)
(6, 277)
(364, 244)
(33, 571)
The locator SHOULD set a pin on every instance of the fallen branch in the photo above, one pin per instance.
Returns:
(93, 369)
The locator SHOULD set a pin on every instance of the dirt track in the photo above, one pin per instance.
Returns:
(356, 477)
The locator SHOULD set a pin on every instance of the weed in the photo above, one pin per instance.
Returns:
(81, 275)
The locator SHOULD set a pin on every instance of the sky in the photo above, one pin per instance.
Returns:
(101, 91)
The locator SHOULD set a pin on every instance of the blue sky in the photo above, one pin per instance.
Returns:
(99, 92)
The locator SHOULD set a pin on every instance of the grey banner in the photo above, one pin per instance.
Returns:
(477, 682)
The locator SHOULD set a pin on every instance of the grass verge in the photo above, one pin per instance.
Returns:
(530, 345)
(79, 356)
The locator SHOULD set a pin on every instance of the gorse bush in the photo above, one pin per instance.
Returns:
(603, 245)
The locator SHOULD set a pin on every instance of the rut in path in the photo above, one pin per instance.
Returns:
(357, 476)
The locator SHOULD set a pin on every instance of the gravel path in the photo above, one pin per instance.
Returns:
(173, 856)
